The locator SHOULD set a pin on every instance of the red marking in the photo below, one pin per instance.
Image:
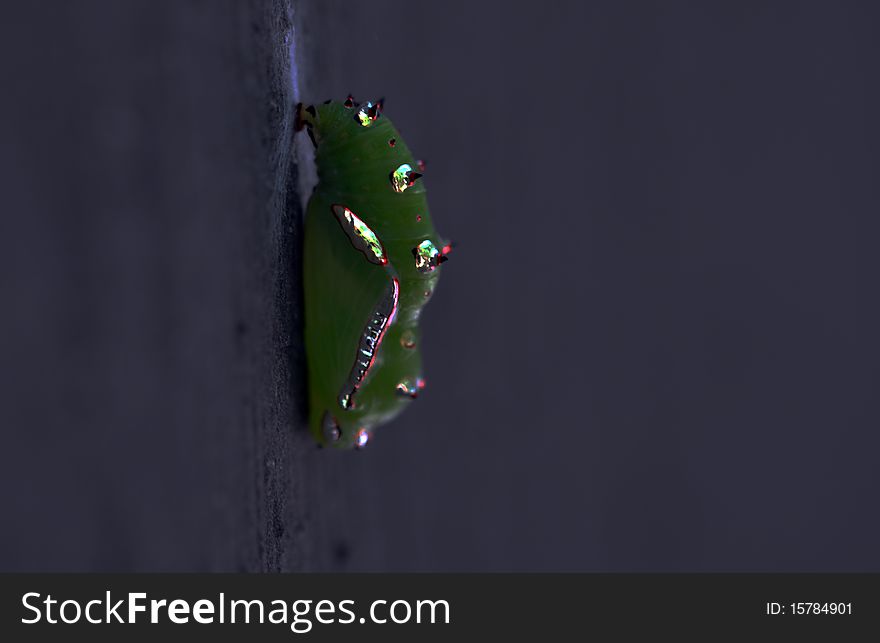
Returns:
(418, 217)
(392, 142)
(446, 249)
(349, 102)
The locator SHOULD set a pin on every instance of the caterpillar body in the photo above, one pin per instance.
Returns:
(371, 262)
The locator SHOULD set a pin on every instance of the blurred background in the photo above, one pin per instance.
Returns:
(652, 349)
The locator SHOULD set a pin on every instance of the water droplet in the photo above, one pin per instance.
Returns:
(349, 102)
(367, 114)
(403, 177)
(427, 256)
(363, 436)
(428, 293)
(360, 234)
(392, 142)
(408, 339)
(330, 428)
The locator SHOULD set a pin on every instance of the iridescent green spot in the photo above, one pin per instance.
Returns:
(360, 234)
(367, 114)
(427, 256)
(403, 177)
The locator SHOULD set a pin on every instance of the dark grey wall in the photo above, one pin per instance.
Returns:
(652, 350)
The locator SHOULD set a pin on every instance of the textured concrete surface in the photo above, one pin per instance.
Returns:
(151, 377)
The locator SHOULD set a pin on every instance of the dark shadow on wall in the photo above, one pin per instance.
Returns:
(150, 377)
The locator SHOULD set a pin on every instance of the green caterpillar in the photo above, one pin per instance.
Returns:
(371, 262)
